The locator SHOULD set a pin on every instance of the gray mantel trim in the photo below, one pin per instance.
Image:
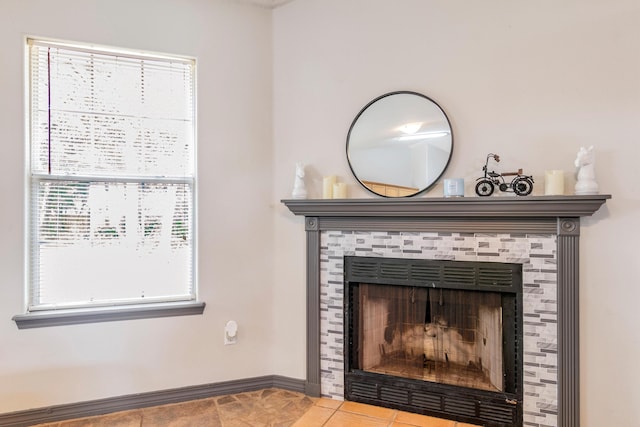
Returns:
(568, 322)
(312, 385)
(479, 207)
(558, 215)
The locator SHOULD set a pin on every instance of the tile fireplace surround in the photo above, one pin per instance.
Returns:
(542, 233)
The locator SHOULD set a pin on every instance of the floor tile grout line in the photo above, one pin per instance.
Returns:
(393, 418)
(330, 416)
(389, 421)
(334, 410)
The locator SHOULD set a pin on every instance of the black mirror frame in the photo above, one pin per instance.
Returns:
(401, 92)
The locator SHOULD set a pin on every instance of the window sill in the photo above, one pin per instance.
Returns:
(44, 319)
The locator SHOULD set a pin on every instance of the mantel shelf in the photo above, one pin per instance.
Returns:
(467, 207)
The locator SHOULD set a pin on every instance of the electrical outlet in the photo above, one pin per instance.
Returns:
(230, 340)
(231, 333)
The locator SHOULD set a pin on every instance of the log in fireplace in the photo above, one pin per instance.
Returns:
(436, 337)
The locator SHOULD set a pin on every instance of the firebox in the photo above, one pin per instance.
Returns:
(435, 337)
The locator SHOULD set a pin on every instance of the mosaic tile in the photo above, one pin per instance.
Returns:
(536, 253)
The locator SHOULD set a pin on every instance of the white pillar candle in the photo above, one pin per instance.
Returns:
(327, 186)
(340, 190)
(554, 183)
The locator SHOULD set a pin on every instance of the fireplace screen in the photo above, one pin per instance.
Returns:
(447, 336)
(437, 337)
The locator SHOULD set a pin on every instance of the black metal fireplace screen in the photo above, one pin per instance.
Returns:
(435, 337)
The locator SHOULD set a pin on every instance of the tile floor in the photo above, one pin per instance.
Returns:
(263, 408)
(334, 413)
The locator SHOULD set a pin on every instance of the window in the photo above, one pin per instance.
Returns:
(112, 177)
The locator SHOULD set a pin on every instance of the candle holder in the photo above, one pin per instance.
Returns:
(454, 187)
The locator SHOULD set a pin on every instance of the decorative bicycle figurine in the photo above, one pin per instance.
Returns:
(521, 184)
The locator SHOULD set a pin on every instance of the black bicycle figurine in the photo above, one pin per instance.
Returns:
(521, 184)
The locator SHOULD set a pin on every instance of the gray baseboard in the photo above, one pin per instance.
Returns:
(143, 400)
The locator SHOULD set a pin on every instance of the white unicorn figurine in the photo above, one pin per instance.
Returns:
(586, 182)
(299, 190)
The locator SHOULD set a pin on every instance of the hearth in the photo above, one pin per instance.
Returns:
(436, 337)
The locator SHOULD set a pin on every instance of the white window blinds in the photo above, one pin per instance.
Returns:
(112, 177)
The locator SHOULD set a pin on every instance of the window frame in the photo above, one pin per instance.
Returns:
(34, 317)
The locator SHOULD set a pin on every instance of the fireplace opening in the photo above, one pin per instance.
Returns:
(440, 335)
(435, 337)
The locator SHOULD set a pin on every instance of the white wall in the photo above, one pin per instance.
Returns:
(232, 43)
(531, 81)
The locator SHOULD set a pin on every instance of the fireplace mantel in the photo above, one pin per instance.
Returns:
(480, 207)
(556, 215)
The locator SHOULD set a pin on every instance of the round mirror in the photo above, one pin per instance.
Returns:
(399, 144)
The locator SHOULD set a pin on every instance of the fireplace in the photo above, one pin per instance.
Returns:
(542, 233)
(442, 338)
